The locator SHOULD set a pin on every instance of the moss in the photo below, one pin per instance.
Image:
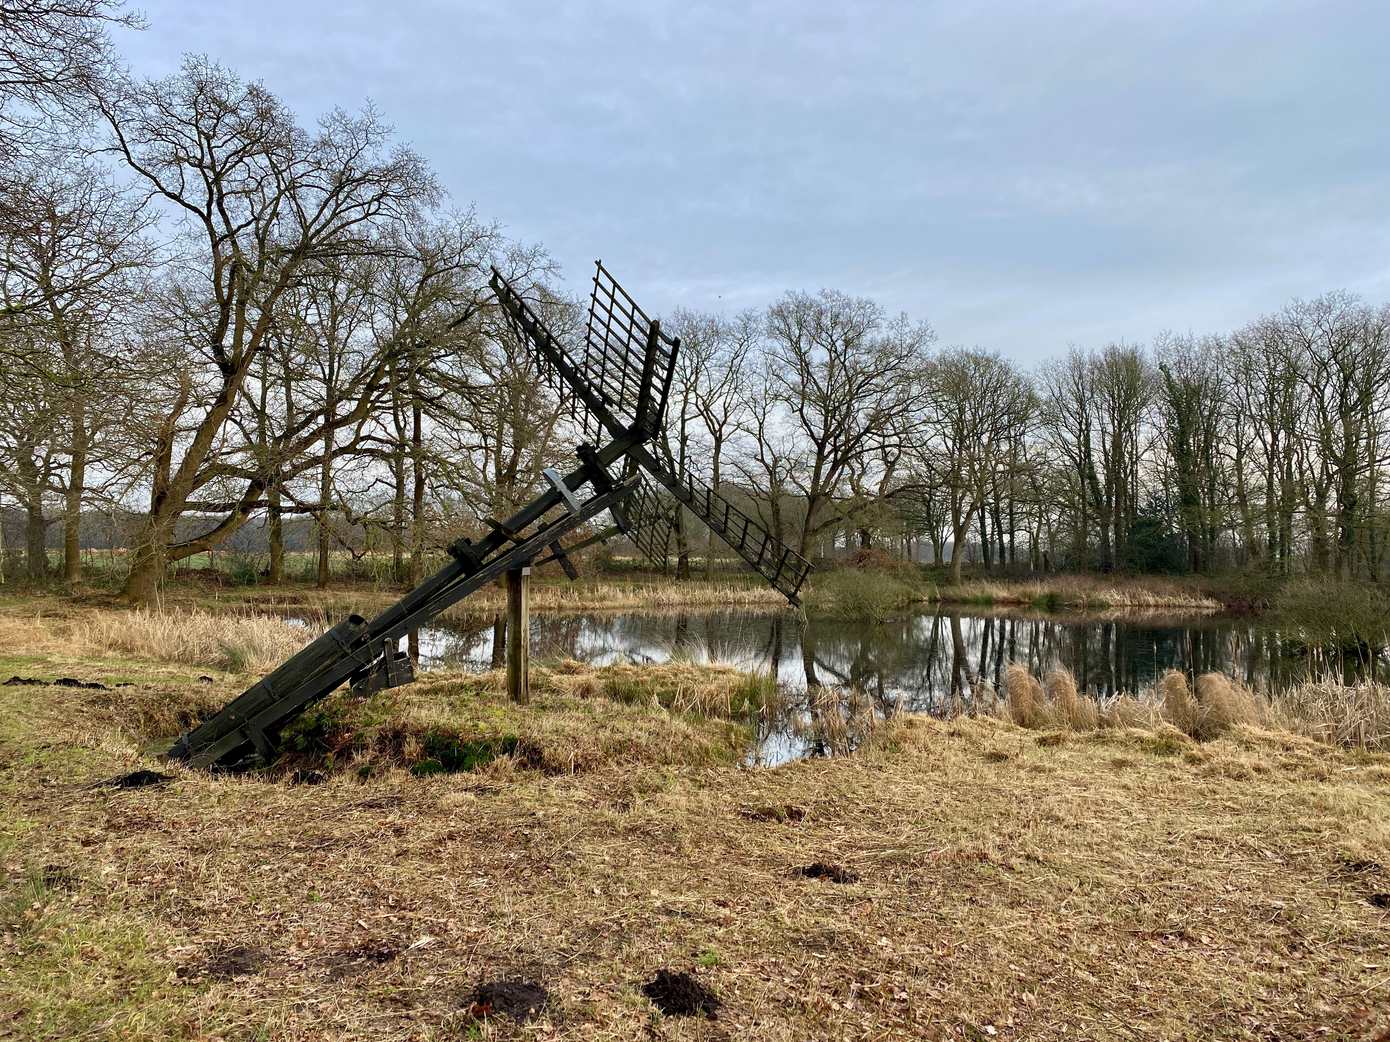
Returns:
(443, 753)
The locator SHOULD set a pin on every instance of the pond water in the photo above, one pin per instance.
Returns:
(928, 662)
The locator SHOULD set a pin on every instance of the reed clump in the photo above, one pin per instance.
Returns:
(1052, 704)
(698, 689)
(1216, 706)
(237, 644)
(1336, 713)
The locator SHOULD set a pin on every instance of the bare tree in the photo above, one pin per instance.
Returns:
(261, 201)
(71, 278)
(845, 378)
(977, 404)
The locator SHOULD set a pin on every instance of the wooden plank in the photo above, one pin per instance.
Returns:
(518, 635)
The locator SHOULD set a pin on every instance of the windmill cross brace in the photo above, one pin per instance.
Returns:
(623, 394)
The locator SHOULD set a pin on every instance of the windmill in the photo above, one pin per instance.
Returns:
(615, 384)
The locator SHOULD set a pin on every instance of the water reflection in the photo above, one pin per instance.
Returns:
(940, 663)
(920, 660)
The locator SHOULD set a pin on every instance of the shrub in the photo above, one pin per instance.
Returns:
(1348, 616)
(852, 593)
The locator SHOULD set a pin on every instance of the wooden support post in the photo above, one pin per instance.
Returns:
(518, 635)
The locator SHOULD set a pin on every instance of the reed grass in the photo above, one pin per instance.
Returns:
(1349, 715)
(237, 644)
(1078, 592)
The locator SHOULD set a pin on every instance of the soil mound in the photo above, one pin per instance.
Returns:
(681, 995)
(86, 685)
(233, 960)
(351, 961)
(825, 870)
(521, 1000)
(135, 780)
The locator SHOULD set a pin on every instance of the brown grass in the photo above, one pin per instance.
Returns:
(584, 595)
(1027, 704)
(1351, 715)
(1007, 890)
(1340, 714)
(237, 644)
(1079, 592)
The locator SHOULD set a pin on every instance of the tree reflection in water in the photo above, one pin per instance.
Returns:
(835, 670)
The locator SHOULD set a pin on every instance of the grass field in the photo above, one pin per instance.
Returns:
(1037, 882)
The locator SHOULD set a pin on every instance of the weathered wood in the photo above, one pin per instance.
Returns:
(518, 635)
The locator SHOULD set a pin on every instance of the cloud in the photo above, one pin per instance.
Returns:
(1022, 175)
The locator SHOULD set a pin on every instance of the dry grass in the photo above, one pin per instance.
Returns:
(703, 689)
(1340, 714)
(1346, 715)
(232, 643)
(1008, 889)
(584, 595)
(1080, 592)
(237, 644)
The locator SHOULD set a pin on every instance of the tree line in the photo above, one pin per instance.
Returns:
(213, 316)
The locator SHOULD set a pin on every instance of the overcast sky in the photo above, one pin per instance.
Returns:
(1023, 175)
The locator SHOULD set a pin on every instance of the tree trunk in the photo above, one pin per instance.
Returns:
(417, 490)
(957, 550)
(325, 494)
(682, 544)
(35, 536)
(146, 570)
(72, 506)
(276, 525)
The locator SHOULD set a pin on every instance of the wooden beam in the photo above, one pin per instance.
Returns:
(518, 635)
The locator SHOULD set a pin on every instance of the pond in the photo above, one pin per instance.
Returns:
(927, 662)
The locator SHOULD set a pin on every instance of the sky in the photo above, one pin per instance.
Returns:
(1024, 176)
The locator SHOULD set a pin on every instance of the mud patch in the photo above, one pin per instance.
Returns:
(1361, 866)
(59, 878)
(782, 813)
(681, 995)
(85, 685)
(134, 780)
(826, 870)
(226, 963)
(521, 1000)
(351, 961)
(1379, 900)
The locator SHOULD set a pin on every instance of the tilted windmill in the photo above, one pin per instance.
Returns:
(616, 385)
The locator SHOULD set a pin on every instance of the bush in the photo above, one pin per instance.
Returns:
(1347, 616)
(855, 593)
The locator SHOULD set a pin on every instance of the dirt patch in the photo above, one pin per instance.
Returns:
(1361, 866)
(1380, 900)
(85, 685)
(141, 779)
(352, 961)
(681, 995)
(782, 814)
(59, 877)
(225, 963)
(521, 1000)
(825, 870)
